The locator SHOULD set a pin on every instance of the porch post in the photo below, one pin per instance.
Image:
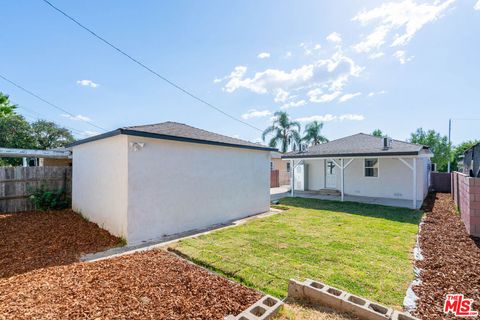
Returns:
(414, 183)
(342, 167)
(292, 176)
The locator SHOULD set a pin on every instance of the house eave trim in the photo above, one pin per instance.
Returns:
(167, 137)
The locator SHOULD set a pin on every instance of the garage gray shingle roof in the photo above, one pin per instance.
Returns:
(360, 144)
(178, 132)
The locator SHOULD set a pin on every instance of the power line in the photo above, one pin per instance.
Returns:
(149, 69)
(47, 102)
(37, 116)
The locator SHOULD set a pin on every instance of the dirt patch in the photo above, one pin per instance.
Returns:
(147, 285)
(452, 259)
(33, 240)
(304, 310)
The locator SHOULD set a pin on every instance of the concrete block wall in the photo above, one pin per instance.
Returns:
(264, 309)
(466, 194)
(342, 301)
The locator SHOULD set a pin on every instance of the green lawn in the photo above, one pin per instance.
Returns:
(364, 249)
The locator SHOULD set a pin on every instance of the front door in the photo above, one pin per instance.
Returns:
(330, 175)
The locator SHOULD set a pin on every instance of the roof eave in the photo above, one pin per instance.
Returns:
(166, 137)
(350, 155)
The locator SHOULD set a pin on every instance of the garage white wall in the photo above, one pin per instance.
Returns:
(394, 179)
(99, 183)
(180, 186)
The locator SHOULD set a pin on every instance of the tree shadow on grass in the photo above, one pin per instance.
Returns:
(398, 214)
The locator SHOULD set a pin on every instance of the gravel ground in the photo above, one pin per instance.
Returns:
(33, 240)
(148, 285)
(452, 259)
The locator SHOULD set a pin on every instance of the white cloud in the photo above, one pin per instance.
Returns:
(263, 55)
(333, 73)
(87, 83)
(318, 96)
(90, 133)
(477, 5)
(217, 80)
(78, 117)
(334, 37)
(373, 40)
(402, 20)
(376, 55)
(288, 54)
(352, 117)
(376, 93)
(349, 96)
(330, 117)
(322, 118)
(254, 113)
(293, 104)
(401, 55)
(281, 95)
(317, 46)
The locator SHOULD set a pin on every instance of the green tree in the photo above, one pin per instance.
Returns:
(285, 132)
(313, 134)
(15, 132)
(460, 150)
(49, 135)
(439, 145)
(377, 133)
(6, 107)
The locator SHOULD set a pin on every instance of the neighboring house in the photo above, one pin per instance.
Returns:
(365, 165)
(39, 158)
(283, 168)
(471, 161)
(145, 182)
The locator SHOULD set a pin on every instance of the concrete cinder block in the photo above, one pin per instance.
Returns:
(365, 309)
(321, 293)
(397, 315)
(265, 308)
(295, 289)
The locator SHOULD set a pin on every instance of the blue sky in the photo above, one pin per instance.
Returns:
(355, 65)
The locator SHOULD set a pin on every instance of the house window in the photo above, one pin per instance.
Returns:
(271, 166)
(371, 167)
(288, 166)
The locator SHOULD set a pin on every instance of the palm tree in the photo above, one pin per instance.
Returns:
(313, 135)
(285, 132)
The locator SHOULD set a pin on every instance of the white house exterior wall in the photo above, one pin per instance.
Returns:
(395, 179)
(99, 183)
(178, 186)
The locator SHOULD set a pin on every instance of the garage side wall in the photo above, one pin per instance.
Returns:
(179, 186)
(99, 183)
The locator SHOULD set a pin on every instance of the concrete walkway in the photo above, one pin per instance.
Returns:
(163, 241)
(276, 194)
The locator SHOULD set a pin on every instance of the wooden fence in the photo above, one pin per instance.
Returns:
(274, 179)
(16, 184)
(440, 181)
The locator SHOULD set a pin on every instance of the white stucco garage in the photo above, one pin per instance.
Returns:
(145, 182)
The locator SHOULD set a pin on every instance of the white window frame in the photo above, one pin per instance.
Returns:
(365, 167)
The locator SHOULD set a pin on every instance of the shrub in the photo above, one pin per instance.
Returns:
(45, 199)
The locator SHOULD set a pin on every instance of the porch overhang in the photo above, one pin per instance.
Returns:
(346, 160)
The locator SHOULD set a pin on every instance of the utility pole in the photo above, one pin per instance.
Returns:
(449, 137)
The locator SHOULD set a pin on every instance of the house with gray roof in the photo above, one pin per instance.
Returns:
(146, 182)
(365, 166)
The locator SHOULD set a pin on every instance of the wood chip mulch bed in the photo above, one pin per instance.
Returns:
(452, 259)
(148, 285)
(33, 240)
